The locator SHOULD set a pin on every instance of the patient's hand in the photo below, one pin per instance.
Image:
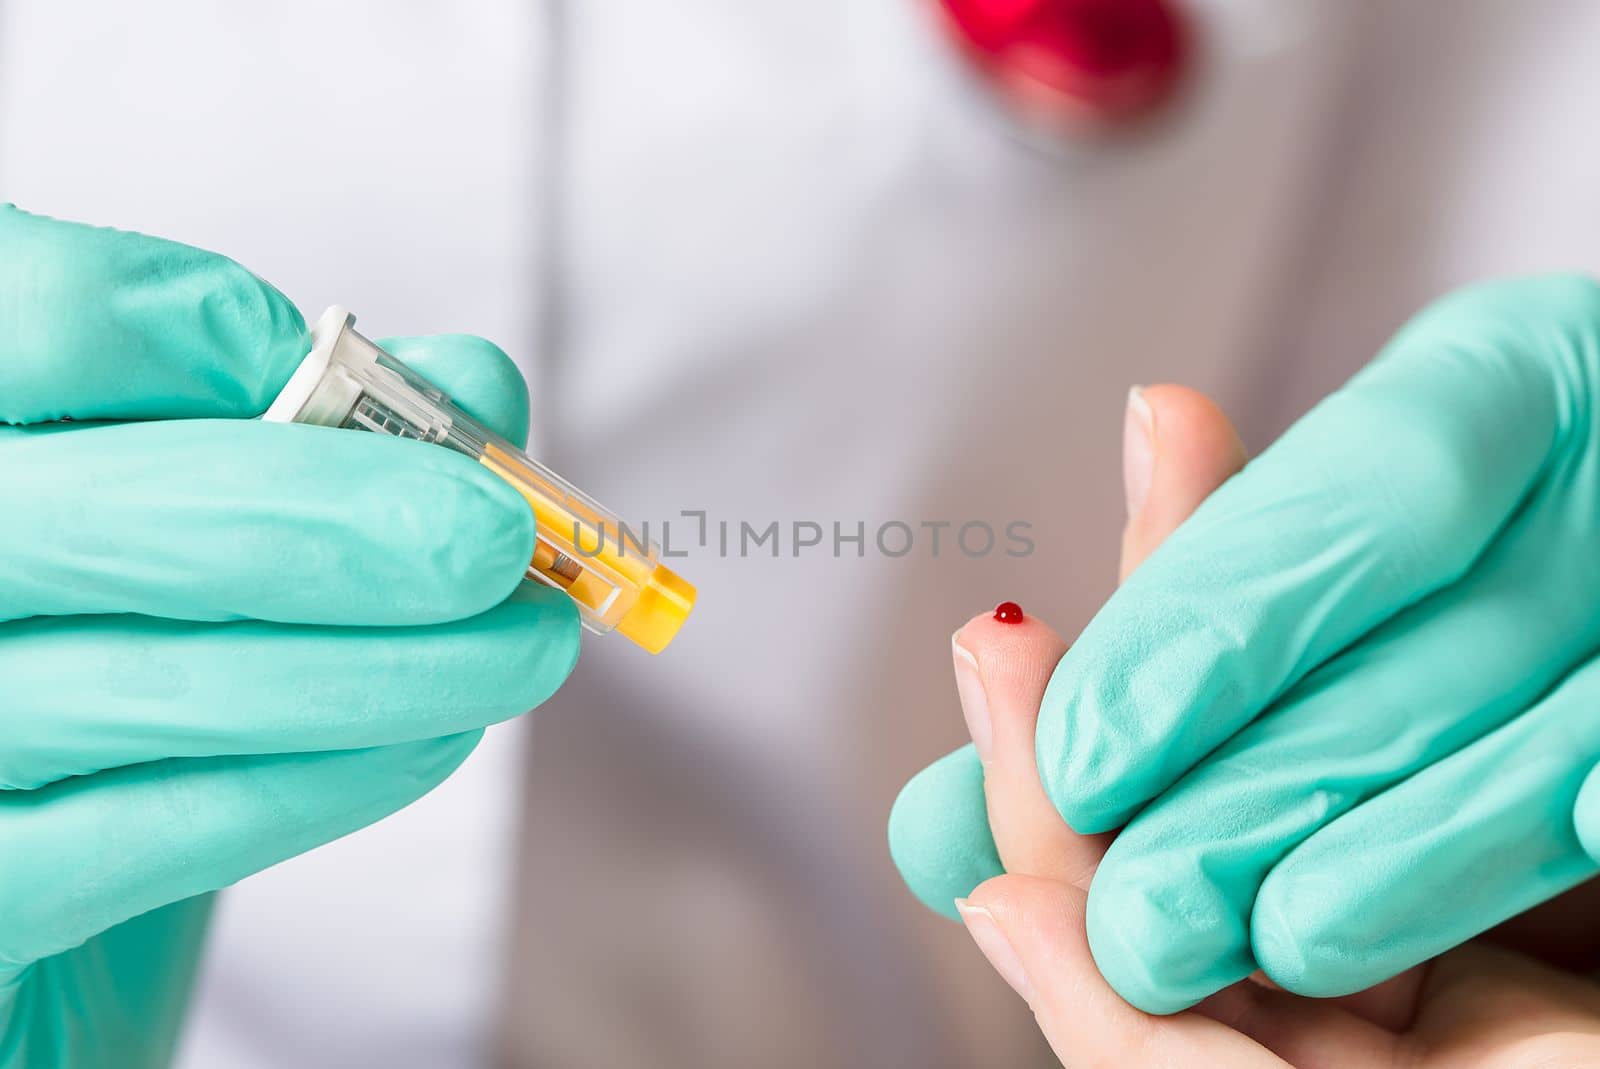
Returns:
(1479, 1005)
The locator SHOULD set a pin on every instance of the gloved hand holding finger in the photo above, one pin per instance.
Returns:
(1402, 577)
(1033, 929)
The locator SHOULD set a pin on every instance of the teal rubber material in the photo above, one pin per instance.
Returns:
(223, 642)
(939, 832)
(1344, 716)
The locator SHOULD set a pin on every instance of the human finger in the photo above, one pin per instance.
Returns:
(1002, 662)
(1178, 447)
(475, 373)
(1031, 930)
(223, 519)
(100, 324)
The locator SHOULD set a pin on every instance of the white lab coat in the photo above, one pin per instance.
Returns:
(778, 260)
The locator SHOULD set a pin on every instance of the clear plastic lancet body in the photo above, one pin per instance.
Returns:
(617, 581)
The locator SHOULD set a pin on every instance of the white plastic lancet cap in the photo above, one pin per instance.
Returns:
(303, 383)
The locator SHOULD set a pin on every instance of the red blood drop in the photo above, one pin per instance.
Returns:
(1101, 60)
(1008, 612)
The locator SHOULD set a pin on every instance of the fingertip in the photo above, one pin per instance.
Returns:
(119, 325)
(1119, 938)
(1195, 450)
(1084, 1018)
(1017, 898)
(1031, 929)
(1050, 744)
(1315, 931)
(476, 374)
(1586, 814)
(1195, 418)
(1161, 929)
(1273, 942)
(245, 324)
(1201, 450)
(1069, 768)
(989, 895)
(1119, 964)
(507, 661)
(1019, 649)
(1002, 662)
(1296, 950)
(554, 628)
(939, 834)
(470, 533)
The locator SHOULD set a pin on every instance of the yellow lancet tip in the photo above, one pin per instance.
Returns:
(664, 603)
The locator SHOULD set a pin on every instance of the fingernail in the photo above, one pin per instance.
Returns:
(974, 702)
(995, 946)
(1138, 450)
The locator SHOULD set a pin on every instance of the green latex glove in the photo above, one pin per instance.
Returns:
(1346, 711)
(224, 642)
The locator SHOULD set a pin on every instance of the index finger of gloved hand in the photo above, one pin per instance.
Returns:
(93, 851)
(475, 373)
(98, 323)
(222, 519)
(1385, 492)
(1586, 813)
(1001, 669)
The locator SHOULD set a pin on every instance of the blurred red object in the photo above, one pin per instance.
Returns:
(1088, 62)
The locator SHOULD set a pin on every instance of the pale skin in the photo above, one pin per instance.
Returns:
(1483, 1005)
